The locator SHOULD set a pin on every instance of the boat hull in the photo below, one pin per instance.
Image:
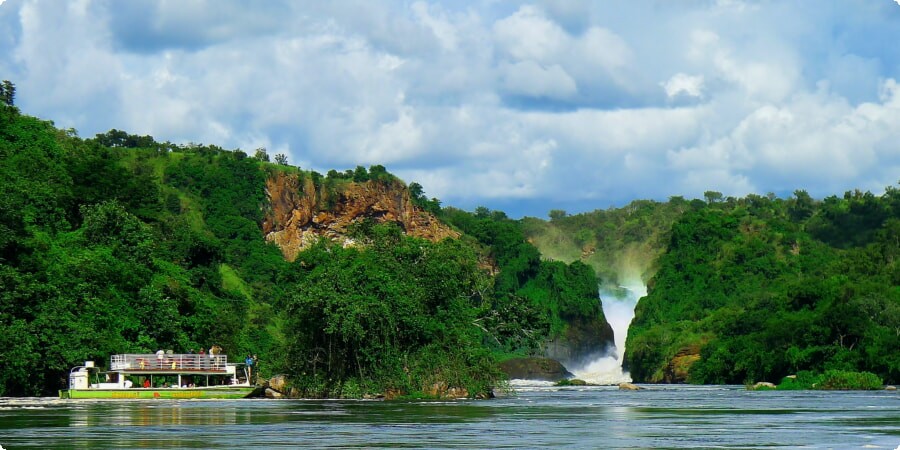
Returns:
(225, 392)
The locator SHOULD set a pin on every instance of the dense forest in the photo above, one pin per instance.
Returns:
(762, 287)
(122, 244)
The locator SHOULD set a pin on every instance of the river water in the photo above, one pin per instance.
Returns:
(586, 417)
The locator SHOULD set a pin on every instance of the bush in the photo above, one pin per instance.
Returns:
(846, 380)
(832, 380)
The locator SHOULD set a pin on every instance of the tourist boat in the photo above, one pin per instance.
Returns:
(175, 376)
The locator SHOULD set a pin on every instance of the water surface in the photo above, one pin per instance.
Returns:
(587, 417)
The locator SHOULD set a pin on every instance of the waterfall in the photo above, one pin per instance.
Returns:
(618, 307)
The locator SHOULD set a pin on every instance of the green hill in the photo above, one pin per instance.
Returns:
(120, 243)
(759, 288)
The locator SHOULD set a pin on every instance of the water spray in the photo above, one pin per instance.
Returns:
(618, 307)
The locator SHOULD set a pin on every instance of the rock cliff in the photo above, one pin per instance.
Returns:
(300, 211)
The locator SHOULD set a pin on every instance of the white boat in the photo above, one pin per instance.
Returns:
(160, 375)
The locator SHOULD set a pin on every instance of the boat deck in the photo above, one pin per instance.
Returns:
(173, 363)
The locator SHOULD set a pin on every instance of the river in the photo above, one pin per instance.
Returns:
(585, 417)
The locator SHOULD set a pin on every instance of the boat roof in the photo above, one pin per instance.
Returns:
(170, 363)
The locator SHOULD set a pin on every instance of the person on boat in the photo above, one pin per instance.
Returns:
(128, 384)
(160, 354)
(248, 368)
(146, 382)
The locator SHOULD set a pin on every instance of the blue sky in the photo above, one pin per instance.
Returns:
(519, 106)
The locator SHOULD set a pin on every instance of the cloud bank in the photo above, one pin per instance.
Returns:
(524, 107)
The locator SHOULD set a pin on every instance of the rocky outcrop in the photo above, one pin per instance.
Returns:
(278, 383)
(300, 212)
(273, 394)
(629, 387)
(680, 365)
(583, 340)
(543, 369)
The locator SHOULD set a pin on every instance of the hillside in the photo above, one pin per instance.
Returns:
(351, 282)
(620, 244)
(758, 288)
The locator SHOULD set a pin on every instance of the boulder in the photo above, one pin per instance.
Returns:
(890, 388)
(271, 393)
(762, 385)
(543, 369)
(500, 393)
(584, 339)
(278, 383)
(442, 390)
(629, 387)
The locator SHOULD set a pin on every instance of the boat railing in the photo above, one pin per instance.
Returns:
(169, 361)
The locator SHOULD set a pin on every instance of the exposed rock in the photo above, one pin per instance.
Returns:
(441, 390)
(392, 394)
(278, 383)
(762, 385)
(583, 340)
(299, 214)
(890, 388)
(271, 393)
(680, 365)
(629, 387)
(543, 369)
(500, 393)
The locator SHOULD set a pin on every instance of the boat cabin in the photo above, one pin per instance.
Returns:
(156, 371)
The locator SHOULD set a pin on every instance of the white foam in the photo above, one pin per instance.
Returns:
(619, 312)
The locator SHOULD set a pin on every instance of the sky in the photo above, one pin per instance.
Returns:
(522, 107)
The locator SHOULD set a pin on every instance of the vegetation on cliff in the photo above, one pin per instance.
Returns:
(548, 304)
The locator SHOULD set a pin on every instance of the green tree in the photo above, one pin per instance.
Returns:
(8, 93)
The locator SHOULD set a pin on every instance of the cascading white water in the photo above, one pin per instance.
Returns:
(619, 310)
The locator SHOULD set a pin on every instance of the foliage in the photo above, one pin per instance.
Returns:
(120, 243)
(765, 287)
(398, 314)
(541, 299)
(620, 244)
(831, 380)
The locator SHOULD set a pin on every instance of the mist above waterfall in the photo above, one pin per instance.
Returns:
(618, 307)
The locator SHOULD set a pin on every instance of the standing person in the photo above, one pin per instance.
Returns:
(160, 354)
(249, 367)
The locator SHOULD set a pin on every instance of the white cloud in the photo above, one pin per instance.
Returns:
(531, 79)
(528, 35)
(485, 102)
(682, 83)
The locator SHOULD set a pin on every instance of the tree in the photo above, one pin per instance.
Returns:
(360, 175)
(261, 154)
(802, 206)
(8, 93)
(712, 197)
(556, 214)
(416, 191)
(281, 158)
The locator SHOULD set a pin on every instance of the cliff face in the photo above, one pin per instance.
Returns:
(296, 218)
